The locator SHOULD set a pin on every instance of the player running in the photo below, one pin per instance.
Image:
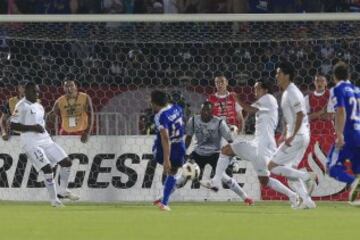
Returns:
(297, 137)
(346, 99)
(169, 146)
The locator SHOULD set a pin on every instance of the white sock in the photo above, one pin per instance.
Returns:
(234, 186)
(279, 187)
(222, 164)
(290, 173)
(300, 188)
(64, 174)
(51, 186)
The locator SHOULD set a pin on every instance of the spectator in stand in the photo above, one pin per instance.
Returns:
(237, 6)
(260, 6)
(319, 111)
(171, 6)
(226, 106)
(283, 6)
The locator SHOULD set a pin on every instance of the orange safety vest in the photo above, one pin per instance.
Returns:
(74, 117)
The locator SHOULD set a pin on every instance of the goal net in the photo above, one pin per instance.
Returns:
(119, 60)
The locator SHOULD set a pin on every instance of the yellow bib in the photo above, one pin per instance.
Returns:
(73, 113)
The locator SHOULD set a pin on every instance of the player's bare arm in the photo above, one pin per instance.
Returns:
(247, 107)
(165, 142)
(4, 126)
(298, 121)
(89, 112)
(340, 118)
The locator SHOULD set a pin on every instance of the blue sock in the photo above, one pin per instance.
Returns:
(338, 172)
(168, 189)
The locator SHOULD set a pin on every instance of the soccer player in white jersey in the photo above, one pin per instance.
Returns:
(296, 137)
(261, 149)
(28, 118)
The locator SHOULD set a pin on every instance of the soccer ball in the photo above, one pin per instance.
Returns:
(191, 170)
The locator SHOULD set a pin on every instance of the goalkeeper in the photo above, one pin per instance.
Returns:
(209, 131)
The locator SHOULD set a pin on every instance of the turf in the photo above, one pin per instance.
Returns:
(223, 221)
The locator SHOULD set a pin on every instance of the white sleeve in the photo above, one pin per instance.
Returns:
(307, 104)
(238, 107)
(262, 104)
(296, 102)
(18, 115)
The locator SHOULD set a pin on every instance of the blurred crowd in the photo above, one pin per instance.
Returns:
(174, 6)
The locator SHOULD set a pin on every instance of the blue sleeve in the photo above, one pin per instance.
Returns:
(161, 122)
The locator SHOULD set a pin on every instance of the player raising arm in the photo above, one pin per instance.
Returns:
(28, 118)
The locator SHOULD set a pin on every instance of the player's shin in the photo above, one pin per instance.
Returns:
(169, 187)
(290, 173)
(64, 174)
(221, 166)
(234, 186)
(279, 187)
(51, 186)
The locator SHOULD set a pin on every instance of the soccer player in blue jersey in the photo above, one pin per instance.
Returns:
(169, 146)
(345, 98)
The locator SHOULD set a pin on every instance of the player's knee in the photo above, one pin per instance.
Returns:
(227, 150)
(264, 180)
(65, 162)
(47, 169)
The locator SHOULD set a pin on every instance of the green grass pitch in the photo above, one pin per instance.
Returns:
(220, 221)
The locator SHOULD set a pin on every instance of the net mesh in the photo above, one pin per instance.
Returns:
(118, 64)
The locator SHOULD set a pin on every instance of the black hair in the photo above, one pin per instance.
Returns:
(29, 85)
(159, 98)
(341, 70)
(207, 103)
(288, 69)
(267, 85)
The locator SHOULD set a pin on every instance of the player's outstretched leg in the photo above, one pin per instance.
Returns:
(64, 174)
(180, 182)
(235, 187)
(281, 188)
(51, 186)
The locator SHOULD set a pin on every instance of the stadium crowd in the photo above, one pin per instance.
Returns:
(175, 6)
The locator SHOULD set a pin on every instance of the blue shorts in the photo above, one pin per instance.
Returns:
(177, 154)
(337, 158)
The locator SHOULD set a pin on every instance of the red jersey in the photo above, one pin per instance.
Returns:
(317, 103)
(225, 107)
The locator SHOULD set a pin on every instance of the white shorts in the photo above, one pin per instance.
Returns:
(259, 154)
(292, 155)
(43, 155)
